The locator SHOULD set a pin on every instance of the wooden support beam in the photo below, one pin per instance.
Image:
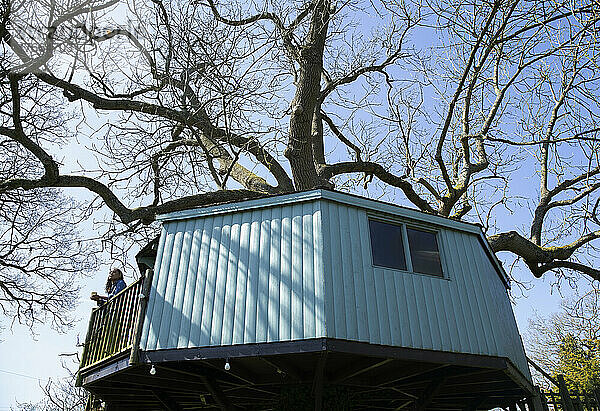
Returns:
(564, 394)
(239, 373)
(402, 406)
(162, 383)
(411, 376)
(359, 369)
(211, 385)
(216, 392)
(482, 389)
(285, 369)
(260, 392)
(318, 381)
(472, 406)
(166, 401)
(404, 393)
(236, 371)
(429, 393)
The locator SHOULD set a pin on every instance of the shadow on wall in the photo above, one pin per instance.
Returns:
(236, 279)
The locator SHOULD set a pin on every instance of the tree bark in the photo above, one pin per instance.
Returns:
(299, 150)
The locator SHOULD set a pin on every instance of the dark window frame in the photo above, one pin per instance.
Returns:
(405, 225)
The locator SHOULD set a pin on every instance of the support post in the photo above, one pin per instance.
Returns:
(318, 381)
(536, 402)
(139, 323)
(430, 391)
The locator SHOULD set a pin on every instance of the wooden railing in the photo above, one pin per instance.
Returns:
(113, 326)
(574, 400)
(561, 398)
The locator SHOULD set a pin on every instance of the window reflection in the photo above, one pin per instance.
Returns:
(424, 252)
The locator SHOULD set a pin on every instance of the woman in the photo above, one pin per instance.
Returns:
(114, 285)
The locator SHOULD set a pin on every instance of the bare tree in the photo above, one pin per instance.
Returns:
(41, 253)
(40, 257)
(447, 105)
(60, 394)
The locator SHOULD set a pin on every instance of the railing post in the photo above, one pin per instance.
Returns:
(564, 394)
(85, 353)
(536, 400)
(135, 347)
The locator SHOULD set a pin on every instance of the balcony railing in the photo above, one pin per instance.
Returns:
(113, 326)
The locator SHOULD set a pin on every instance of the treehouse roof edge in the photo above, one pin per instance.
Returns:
(346, 199)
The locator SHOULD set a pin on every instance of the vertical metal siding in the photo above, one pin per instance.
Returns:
(239, 311)
(468, 311)
(304, 270)
(236, 278)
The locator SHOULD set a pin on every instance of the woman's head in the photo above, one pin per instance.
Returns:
(114, 275)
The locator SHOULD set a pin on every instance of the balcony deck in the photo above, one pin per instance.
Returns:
(113, 327)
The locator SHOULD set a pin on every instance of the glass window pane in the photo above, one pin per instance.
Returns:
(386, 245)
(424, 252)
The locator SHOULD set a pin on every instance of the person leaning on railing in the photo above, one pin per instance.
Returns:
(114, 285)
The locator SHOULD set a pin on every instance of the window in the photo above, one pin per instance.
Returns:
(424, 252)
(387, 245)
(388, 250)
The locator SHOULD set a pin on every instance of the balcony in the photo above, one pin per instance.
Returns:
(114, 326)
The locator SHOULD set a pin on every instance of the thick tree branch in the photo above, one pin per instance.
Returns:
(199, 120)
(299, 149)
(145, 214)
(18, 134)
(249, 20)
(574, 199)
(148, 214)
(377, 170)
(539, 270)
(541, 259)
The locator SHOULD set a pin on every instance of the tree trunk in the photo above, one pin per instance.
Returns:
(299, 149)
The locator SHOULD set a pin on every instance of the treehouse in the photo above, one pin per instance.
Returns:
(311, 300)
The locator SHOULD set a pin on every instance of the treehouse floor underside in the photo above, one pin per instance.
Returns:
(323, 374)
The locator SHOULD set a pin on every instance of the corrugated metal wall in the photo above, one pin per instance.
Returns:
(254, 276)
(304, 270)
(466, 312)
